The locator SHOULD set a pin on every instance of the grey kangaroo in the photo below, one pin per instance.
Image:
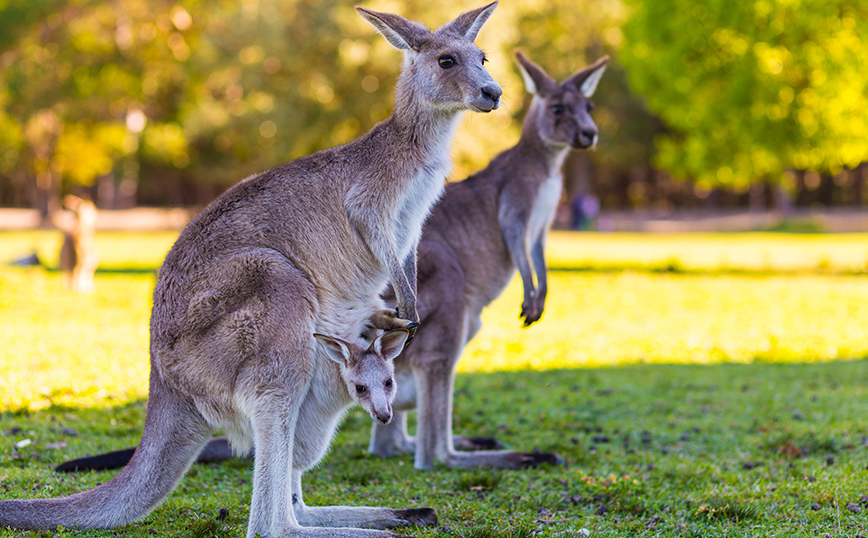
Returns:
(304, 248)
(482, 230)
(479, 233)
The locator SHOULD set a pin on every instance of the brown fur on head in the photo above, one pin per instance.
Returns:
(369, 373)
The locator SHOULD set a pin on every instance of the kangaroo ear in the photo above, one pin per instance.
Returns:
(390, 344)
(468, 24)
(401, 33)
(536, 80)
(337, 350)
(587, 79)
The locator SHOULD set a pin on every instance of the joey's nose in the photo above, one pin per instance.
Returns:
(492, 93)
(384, 417)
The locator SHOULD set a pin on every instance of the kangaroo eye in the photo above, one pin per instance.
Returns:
(557, 110)
(361, 389)
(446, 62)
(389, 382)
(589, 107)
(484, 59)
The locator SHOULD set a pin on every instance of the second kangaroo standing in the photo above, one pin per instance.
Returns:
(484, 228)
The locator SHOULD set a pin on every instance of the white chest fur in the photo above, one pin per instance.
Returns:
(544, 206)
(424, 189)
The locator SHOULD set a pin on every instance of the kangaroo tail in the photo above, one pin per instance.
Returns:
(100, 462)
(217, 449)
(174, 434)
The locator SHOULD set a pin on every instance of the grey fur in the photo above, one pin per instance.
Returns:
(483, 229)
(300, 249)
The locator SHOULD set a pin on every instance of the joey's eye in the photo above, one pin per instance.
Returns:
(389, 382)
(484, 59)
(557, 110)
(446, 62)
(361, 389)
(589, 107)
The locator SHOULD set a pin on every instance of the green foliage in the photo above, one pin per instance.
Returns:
(751, 89)
(211, 92)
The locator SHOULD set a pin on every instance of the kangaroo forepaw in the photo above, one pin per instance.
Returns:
(387, 320)
(417, 517)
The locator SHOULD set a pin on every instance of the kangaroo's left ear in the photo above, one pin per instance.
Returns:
(469, 24)
(390, 344)
(587, 79)
(337, 350)
(536, 80)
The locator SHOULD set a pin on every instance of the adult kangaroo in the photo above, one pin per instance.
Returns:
(301, 249)
(483, 229)
(479, 233)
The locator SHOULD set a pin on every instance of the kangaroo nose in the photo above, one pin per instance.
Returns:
(493, 93)
(384, 417)
(587, 137)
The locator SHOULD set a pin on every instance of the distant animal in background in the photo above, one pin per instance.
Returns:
(79, 256)
(483, 229)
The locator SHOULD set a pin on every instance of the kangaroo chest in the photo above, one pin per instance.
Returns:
(544, 206)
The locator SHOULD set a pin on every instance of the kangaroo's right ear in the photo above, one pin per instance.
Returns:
(401, 33)
(337, 350)
(469, 24)
(390, 344)
(536, 80)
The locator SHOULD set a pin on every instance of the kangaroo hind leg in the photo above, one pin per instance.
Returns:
(357, 516)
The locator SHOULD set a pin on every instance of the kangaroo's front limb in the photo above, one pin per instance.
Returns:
(513, 225)
(378, 234)
(356, 516)
(539, 265)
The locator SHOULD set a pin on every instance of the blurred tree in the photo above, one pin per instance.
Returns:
(749, 90)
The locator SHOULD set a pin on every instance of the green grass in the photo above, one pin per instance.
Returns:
(727, 416)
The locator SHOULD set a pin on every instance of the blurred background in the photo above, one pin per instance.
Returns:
(709, 108)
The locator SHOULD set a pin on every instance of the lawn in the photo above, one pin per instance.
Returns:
(695, 385)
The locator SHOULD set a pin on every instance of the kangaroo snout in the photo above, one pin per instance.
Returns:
(489, 98)
(383, 417)
(585, 138)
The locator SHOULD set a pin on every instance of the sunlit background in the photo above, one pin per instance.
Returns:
(706, 104)
(738, 115)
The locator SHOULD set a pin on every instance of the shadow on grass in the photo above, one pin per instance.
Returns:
(730, 449)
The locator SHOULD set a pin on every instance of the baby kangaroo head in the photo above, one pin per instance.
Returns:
(561, 113)
(443, 69)
(369, 373)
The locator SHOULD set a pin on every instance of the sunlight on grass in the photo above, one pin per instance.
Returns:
(595, 319)
(93, 349)
(710, 252)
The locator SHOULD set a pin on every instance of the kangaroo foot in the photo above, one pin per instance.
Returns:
(501, 459)
(476, 443)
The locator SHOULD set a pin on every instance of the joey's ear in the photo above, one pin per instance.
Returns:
(401, 33)
(390, 344)
(587, 79)
(337, 350)
(536, 80)
(468, 24)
